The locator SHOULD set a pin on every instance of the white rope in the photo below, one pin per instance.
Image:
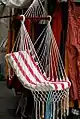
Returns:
(36, 9)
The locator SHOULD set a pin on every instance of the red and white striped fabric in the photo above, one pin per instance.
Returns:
(29, 73)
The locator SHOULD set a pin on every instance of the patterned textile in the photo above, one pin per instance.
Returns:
(73, 51)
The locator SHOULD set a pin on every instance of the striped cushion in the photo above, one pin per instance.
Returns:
(29, 73)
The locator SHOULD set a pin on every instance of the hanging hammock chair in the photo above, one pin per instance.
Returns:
(41, 69)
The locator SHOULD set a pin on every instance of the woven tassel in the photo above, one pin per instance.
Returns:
(42, 110)
(54, 108)
(67, 102)
(36, 109)
(39, 114)
(61, 108)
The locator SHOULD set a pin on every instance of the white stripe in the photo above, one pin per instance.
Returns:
(65, 84)
(53, 86)
(59, 86)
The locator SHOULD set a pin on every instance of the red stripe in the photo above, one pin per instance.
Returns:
(27, 65)
(22, 71)
(69, 84)
(37, 67)
(62, 85)
(56, 87)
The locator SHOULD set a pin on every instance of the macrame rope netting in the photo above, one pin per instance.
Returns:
(36, 9)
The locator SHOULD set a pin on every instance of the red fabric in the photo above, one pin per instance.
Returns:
(56, 28)
(73, 50)
(57, 24)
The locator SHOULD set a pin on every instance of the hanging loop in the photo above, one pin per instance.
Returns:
(23, 18)
(50, 18)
